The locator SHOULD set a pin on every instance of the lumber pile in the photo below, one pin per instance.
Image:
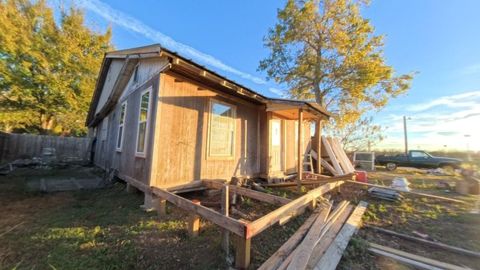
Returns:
(320, 241)
(336, 160)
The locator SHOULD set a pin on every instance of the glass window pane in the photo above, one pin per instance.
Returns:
(222, 130)
(141, 137)
(120, 133)
(122, 114)
(144, 106)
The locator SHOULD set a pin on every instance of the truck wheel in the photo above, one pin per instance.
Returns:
(391, 166)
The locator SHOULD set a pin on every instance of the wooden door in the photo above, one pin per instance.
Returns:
(276, 146)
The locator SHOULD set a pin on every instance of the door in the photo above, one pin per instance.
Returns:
(276, 146)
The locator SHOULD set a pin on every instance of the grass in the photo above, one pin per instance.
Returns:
(106, 229)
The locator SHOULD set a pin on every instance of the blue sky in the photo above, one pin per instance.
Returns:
(437, 39)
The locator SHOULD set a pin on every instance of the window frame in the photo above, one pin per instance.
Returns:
(135, 73)
(121, 124)
(147, 121)
(209, 155)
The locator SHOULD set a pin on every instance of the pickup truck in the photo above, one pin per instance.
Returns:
(417, 159)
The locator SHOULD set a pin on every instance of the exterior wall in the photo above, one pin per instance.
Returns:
(112, 75)
(291, 153)
(125, 162)
(182, 131)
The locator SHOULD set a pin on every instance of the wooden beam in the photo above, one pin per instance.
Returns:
(257, 195)
(269, 144)
(225, 211)
(329, 167)
(275, 216)
(318, 131)
(233, 225)
(438, 245)
(413, 257)
(279, 256)
(300, 149)
(242, 253)
(194, 221)
(333, 254)
(331, 154)
(410, 192)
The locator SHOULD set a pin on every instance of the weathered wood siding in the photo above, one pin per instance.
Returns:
(15, 146)
(112, 75)
(127, 164)
(181, 137)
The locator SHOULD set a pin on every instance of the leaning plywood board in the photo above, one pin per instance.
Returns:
(331, 154)
(329, 167)
(338, 155)
(332, 256)
(344, 155)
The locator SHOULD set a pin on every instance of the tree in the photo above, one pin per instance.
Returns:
(326, 51)
(47, 68)
(359, 135)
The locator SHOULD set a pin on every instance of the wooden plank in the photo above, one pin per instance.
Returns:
(333, 254)
(242, 252)
(233, 225)
(331, 154)
(410, 192)
(257, 195)
(281, 254)
(406, 261)
(428, 243)
(318, 130)
(324, 242)
(286, 210)
(194, 221)
(338, 155)
(329, 167)
(300, 149)
(417, 258)
(303, 252)
(225, 206)
(344, 154)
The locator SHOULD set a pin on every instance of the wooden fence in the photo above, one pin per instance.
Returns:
(15, 146)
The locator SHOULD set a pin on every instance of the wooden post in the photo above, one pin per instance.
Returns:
(269, 147)
(300, 149)
(225, 211)
(318, 126)
(313, 204)
(242, 252)
(194, 222)
(161, 206)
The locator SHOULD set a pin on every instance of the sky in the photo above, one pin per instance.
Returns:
(438, 39)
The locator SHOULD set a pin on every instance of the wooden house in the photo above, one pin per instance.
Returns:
(165, 121)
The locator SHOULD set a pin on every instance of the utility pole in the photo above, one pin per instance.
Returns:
(405, 134)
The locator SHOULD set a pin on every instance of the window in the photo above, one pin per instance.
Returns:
(104, 130)
(416, 154)
(143, 122)
(221, 130)
(135, 74)
(123, 112)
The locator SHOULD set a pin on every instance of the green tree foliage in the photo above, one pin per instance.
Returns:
(48, 68)
(325, 50)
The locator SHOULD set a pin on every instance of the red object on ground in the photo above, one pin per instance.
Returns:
(361, 176)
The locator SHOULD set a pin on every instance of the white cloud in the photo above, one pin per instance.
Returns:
(277, 91)
(471, 70)
(463, 100)
(126, 21)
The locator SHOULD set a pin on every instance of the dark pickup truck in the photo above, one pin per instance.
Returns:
(417, 159)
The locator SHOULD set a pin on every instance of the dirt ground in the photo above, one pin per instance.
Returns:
(106, 229)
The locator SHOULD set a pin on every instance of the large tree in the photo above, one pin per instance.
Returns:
(48, 67)
(324, 50)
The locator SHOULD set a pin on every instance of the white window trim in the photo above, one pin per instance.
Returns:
(145, 147)
(234, 139)
(119, 149)
(135, 74)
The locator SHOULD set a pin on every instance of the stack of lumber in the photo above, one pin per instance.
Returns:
(384, 194)
(320, 241)
(337, 161)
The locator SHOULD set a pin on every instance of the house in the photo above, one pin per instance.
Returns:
(165, 121)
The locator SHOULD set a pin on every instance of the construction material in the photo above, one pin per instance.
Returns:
(403, 260)
(289, 209)
(12, 228)
(387, 251)
(439, 245)
(225, 204)
(333, 254)
(282, 253)
(409, 192)
(385, 194)
(331, 154)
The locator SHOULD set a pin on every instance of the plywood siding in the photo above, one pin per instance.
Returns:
(112, 75)
(291, 144)
(182, 135)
